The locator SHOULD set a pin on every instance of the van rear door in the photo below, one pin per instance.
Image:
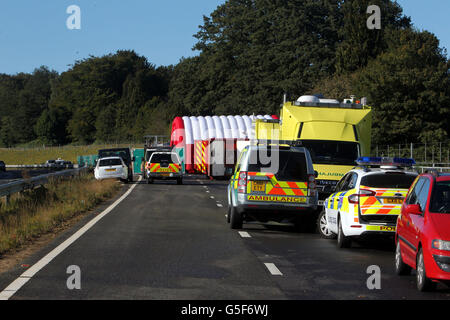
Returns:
(284, 179)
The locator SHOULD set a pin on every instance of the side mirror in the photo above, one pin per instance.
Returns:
(414, 209)
(316, 174)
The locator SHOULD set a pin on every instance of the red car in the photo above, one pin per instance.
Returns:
(423, 231)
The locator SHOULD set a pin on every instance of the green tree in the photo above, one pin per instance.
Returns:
(360, 44)
(409, 87)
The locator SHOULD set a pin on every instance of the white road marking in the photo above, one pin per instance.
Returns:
(273, 269)
(9, 291)
(244, 234)
(212, 197)
(219, 205)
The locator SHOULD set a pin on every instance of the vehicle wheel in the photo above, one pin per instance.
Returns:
(342, 240)
(228, 214)
(235, 219)
(149, 180)
(130, 178)
(179, 181)
(423, 283)
(322, 227)
(401, 268)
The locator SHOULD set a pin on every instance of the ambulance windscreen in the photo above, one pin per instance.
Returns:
(332, 152)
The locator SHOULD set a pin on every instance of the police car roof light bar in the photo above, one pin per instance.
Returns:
(385, 161)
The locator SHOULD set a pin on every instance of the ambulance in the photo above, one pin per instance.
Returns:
(368, 199)
(272, 183)
(335, 133)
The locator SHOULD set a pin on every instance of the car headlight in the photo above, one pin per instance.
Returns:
(441, 245)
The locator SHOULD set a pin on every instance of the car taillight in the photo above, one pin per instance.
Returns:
(242, 182)
(312, 185)
(354, 198)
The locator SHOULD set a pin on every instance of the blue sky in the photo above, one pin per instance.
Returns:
(34, 33)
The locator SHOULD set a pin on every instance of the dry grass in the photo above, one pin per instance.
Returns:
(42, 210)
(23, 156)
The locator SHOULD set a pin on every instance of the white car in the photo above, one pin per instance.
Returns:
(111, 168)
(367, 200)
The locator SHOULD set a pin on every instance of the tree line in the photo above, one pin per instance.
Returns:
(251, 52)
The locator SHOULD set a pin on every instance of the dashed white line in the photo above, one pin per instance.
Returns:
(27, 275)
(219, 205)
(212, 197)
(244, 234)
(273, 269)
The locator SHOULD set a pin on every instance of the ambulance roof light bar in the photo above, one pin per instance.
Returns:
(386, 161)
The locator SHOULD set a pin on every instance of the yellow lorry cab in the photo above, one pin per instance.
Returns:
(335, 133)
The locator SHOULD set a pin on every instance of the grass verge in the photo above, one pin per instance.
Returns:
(37, 212)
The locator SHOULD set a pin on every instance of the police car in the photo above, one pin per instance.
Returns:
(272, 183)
(164, 166)
(368, 199)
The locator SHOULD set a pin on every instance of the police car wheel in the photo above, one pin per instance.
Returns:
(323, 228)
(228, 214)
(179, 181)
(423, 282)
(401, 268)
(235, 219)
(342, 240)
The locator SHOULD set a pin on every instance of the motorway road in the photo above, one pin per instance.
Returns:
(168, 241)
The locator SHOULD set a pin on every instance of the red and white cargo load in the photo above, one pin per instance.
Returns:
(211, 143)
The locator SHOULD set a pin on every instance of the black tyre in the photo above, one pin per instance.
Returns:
(228, 214)
(401, 268)
(235, 219)
(322, 227)
(149, 180)
(424, 284)
(180, 181)
(342, 240)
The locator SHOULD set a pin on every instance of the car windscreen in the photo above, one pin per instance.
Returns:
(109, 162)
(287, 166)
(123, 153)
(332, 152)
(440, 197)
(164, 158)
(390, 180)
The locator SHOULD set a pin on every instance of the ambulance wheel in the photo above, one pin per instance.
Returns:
(235, 219)
(424, 284)
(401, 268)
(323, 228)
(149, 180)
(179, 181)
(342, 240)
